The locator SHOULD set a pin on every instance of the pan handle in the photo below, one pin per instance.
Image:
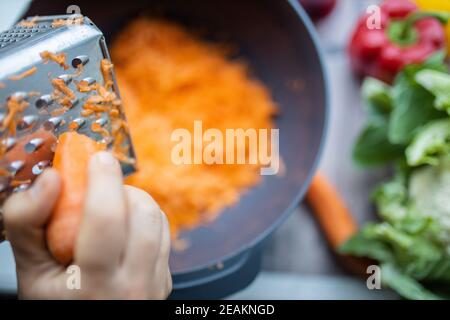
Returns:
(215, 273)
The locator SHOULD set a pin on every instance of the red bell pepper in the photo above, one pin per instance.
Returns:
(406, 36)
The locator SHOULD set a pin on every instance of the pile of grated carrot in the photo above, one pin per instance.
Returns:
(168, 79)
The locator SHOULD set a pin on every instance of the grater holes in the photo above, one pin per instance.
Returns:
(80, 60)
(19, 33)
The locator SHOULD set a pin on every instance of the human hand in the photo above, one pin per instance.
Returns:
(122, 249)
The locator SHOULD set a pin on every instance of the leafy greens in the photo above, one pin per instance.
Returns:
(408, 126)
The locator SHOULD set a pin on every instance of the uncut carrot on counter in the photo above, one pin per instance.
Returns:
(71, 160)
(331, 211)
(335, 220)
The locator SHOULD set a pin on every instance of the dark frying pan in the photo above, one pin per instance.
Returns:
(277, 39)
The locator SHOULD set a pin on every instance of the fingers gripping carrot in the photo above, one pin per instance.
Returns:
(71, 161)
(331, 212)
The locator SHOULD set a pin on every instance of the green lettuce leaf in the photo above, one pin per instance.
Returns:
(373, 148)
(364, 245)
(377, 97)
(408, 241)
(391, 199)
(438, 83)
(406, 286)
(413, 258)
(413, 104)
(414, 107)
(430, 142)
(429, 192)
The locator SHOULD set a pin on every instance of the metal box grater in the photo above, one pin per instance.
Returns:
(26, 77)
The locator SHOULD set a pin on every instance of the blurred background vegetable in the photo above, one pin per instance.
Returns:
(405, 36)
(437, 5)
(331, 211)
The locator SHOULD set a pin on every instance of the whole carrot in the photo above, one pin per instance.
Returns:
(71, 161)
(335, 220)
(331, 212)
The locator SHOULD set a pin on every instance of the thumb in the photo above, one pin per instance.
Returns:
(25, 215)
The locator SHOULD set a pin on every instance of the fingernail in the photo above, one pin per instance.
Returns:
(105, 158)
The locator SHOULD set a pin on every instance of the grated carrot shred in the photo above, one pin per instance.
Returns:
(83, 86)
(24, 74)
(106, 67)
(29, 23)
(60, 87)
(15, 108)
(67, 22)
(58, 58)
